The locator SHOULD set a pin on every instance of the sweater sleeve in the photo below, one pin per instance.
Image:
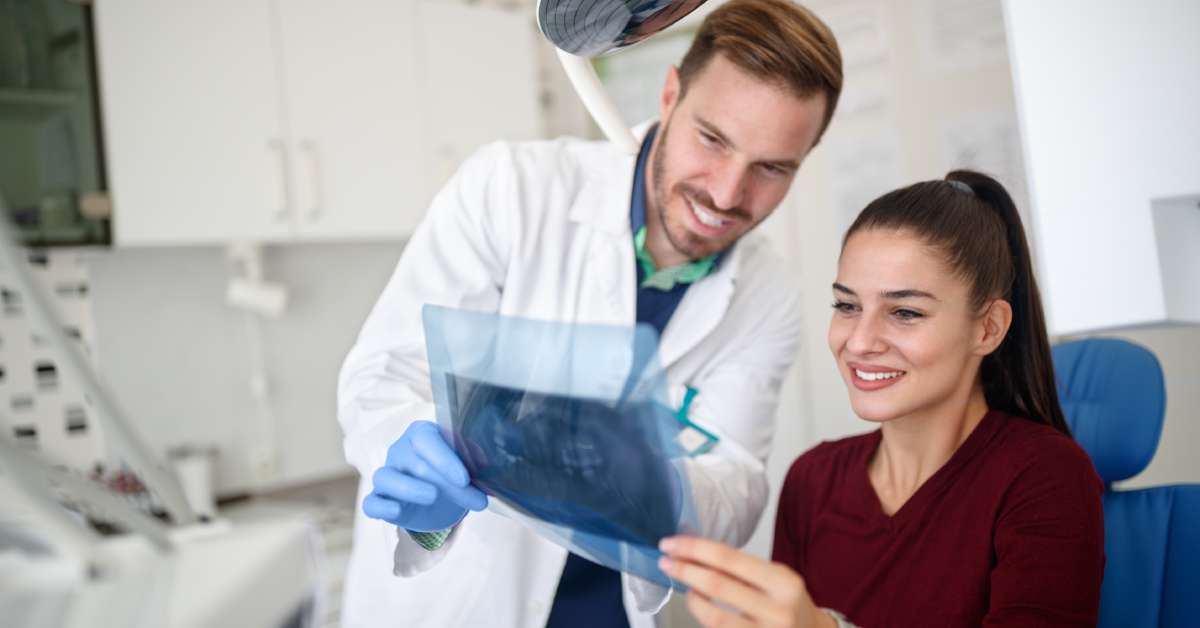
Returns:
(1049, 541)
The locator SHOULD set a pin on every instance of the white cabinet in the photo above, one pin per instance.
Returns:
(479, 75)
(350, 73)
(193, 121)
(286, 120)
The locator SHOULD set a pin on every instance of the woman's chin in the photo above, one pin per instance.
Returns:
(874, 412)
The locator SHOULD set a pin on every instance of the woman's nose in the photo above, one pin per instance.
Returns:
(866, 337)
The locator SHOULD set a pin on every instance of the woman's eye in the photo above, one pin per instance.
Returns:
(844, 307)
(907, 315)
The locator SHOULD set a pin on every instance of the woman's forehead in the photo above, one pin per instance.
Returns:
(877, 261)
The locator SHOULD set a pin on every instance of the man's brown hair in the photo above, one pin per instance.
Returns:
(774, 40)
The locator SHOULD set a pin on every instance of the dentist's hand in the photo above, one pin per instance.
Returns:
(423, 487)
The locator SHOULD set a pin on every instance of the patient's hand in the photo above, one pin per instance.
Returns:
(733, 588)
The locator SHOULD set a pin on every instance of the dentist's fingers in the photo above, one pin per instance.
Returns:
(428, 444)
(467, 497)
(396, 485)
(378, 507)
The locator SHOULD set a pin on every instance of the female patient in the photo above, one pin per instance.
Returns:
(970, 504)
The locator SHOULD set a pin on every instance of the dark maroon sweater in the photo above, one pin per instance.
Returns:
(1009, 532)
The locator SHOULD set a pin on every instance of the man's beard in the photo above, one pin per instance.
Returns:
(689, 248)
(690, 245)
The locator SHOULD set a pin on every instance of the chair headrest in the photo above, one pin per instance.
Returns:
(1114, 398)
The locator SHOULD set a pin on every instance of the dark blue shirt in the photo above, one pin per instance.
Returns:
(589, 594)
(654, 307)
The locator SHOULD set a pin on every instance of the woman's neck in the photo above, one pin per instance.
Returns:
(913, 448)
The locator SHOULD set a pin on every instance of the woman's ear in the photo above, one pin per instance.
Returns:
(993, 326)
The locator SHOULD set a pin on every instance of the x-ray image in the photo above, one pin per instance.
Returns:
(568, 426)
(573, 462)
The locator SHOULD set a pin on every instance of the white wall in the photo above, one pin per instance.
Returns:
(1109, 101)
(1108, 94)
(178, 358)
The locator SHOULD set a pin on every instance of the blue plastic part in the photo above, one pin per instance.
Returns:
(1113, 394)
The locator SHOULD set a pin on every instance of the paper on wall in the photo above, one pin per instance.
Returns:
(866, 59)
(988, 141)
(956, 35)
(862, 168)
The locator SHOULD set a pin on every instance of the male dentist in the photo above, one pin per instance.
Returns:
(577, 231)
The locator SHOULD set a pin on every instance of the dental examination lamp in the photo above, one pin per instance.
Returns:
(582, 29)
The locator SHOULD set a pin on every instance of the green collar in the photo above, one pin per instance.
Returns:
(668, 278)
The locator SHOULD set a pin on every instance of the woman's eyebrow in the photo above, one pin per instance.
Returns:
(894, 295)
(908, 293)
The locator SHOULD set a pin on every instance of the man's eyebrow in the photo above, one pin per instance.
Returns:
(787, 164)
(712, 128)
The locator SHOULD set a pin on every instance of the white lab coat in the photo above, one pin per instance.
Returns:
(541, 230)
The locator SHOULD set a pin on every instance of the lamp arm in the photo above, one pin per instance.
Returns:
(597, 101)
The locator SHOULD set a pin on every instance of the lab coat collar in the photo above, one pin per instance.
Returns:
(703, 306)
(604, 189)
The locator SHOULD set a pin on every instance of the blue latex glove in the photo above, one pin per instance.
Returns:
(423, 486)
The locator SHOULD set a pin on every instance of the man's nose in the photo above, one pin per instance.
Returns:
(727, 186)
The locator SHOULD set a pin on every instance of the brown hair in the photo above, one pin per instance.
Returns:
(775, 40)
(973, 221)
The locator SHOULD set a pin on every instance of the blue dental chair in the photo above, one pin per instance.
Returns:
(1113, 395)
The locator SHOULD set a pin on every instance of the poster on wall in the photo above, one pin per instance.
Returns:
(988, 141)
(861, 33)
(862, 168)
(957, 35)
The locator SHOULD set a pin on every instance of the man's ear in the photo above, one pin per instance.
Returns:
(993, 326)
(670, 94)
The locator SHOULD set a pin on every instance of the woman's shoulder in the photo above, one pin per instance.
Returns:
(1036, 453)
(1029, 442)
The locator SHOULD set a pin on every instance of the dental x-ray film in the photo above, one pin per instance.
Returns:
(569, 427)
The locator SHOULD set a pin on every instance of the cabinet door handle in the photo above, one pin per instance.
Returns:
(283, 200)
(316, 201)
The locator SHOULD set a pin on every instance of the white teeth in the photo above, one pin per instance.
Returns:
(873, 377)
(706, 217)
